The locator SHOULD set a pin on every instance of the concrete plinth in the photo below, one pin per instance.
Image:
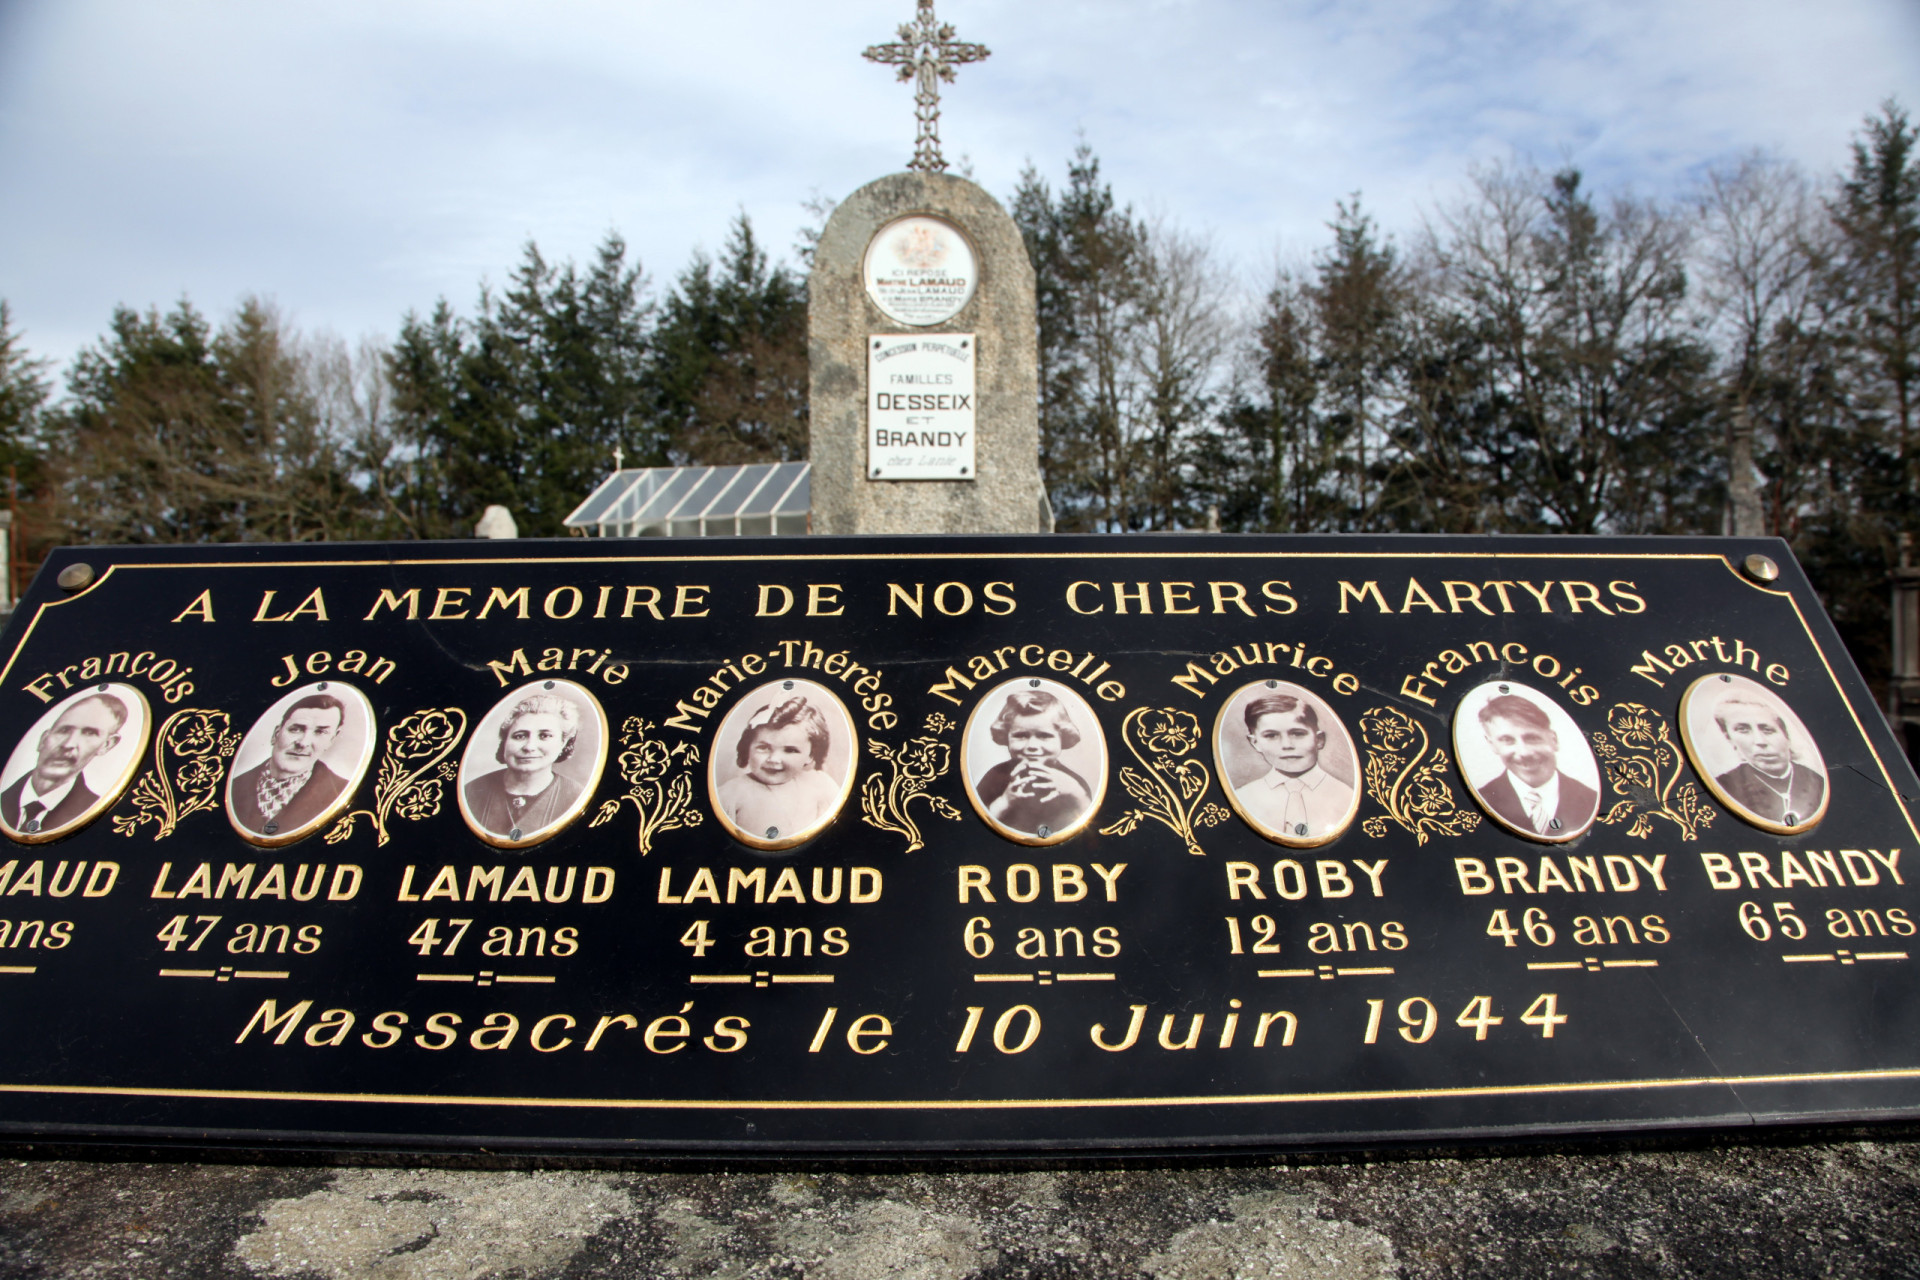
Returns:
(1835, 1206)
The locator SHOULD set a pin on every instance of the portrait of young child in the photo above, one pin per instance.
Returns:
(1050, 771)
(782, 764)
(1287, 762)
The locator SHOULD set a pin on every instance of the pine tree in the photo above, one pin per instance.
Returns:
(1086, 253)
(1878, 215)
(172, 432)
(1870, 457)
(23, 397)
(523, 405)
(1062, 451)
(1358, 299)
(728, 364)
(1273, 466)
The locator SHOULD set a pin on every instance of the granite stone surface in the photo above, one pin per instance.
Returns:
(1006, 496)
(1827, 1205)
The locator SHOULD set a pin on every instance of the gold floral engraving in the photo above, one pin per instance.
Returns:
(665, 804)
(1406, 773)
(917, 764)
(1643, 765)
(413, 773)
(1172, 787)
(201, 745)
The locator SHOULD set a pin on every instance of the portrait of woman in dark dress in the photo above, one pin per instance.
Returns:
(526, 795)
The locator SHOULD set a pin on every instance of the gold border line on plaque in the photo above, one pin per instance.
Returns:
(1220, 729)
(993, 1104)
(769, 554)
(973, 252)
(117, 787)
(1098, 783)
(777, 843)
(1579, 739)
(1738, 808)
(589, 785)
(353, 779)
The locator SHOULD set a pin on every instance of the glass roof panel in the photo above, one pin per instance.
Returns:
(654, 496)
(799, 495)
(779, 479)
(604, 496)
(676, 484)
(739, 483)
(708, 484)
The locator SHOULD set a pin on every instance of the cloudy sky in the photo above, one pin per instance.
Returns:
(356, 158)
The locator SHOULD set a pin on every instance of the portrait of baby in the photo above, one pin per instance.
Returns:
(1287, 762)
(782, 764)
(1035, 761)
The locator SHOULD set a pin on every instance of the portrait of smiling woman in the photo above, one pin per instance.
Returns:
(549, 740)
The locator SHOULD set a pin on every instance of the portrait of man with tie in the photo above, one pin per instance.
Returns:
(1287, 762)
(299, 764)
(1526, 762)
(74, 763)
(1756, 755)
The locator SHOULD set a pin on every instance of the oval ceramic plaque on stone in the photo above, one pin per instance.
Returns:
(920, 270)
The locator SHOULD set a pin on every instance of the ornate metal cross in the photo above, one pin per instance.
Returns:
(926, 54)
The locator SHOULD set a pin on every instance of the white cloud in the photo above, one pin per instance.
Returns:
(358, 158)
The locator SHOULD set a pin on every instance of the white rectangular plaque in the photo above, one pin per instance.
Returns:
(920, 407)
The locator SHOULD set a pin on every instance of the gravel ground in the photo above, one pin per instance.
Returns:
(1822, 1205)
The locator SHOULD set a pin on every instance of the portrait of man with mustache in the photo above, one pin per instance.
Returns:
(1531, 794)
(55, 792)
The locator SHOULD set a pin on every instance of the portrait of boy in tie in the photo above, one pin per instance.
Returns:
(1288, 763)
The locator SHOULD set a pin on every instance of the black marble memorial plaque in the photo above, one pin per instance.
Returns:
(845, 846)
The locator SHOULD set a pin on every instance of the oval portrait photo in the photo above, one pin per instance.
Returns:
(1755, 754)
(300, 763)
(1526, 762)
(1287, 762)
(532, 762)
(1034, 760)
(74, 762)
(782, 764)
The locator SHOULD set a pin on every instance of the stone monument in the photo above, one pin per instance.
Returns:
(921, 340)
